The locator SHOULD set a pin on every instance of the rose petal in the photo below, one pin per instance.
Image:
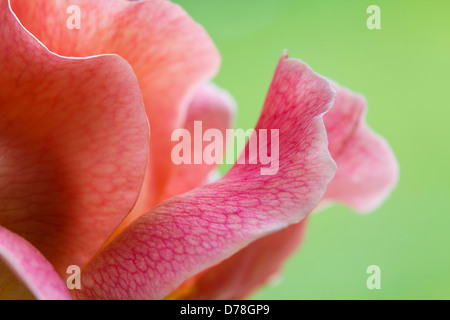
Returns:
(30, 266)
(170, 54)
(73, 145)
(343, 119)
(366, 174)
(367, 168)
(191, 232)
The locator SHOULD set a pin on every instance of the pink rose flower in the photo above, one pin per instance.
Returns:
(82, 181)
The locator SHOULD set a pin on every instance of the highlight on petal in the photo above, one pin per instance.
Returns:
(194, 231)
(27, 264)
(169, 52)
(73, 145)
(367, 168)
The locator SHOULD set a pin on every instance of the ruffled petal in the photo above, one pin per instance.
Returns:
(367, 172)
(73, 145)
(170, 54)
(25, 272)
(191, 232)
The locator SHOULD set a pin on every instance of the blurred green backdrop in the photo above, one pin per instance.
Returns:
(403, 70)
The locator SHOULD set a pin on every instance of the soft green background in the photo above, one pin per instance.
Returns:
(403, 70)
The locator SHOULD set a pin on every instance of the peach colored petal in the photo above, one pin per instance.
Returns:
(30, 266)
(73, 145)
(191, 232)
(170, 54)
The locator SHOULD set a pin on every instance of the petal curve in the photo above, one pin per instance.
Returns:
(188, 233)
(367, 171)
